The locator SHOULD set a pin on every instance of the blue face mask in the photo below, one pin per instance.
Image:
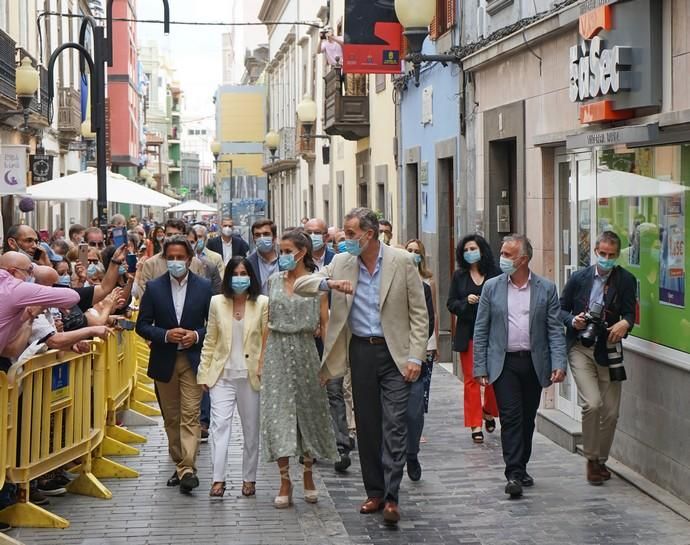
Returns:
(65, 280)
(240, 284)
(417, 259)
(317, 242)
(352, 246)
(605, 264)
(342, 247)
(287, 262)
(122, 270)
(177, 268)
(200, 245)
(91, 269)
(472, 256)
(264, 244)
(507, 265)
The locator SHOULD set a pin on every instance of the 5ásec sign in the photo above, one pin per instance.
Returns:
(616, 68)
(373, 38)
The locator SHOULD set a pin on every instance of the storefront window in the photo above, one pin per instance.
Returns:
(641, 195)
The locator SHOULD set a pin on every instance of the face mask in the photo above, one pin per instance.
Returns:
(342, 247)
(91, 269)
(227, 231)
(177, 268)
(240, 284)
(65, 280)
(122, 270)
(417, 259)
(30, 280)
(605, 264)
(200, 245)
(264, 244)
(317, 242)
(507, 265)
(352, 246)
(472, 256)
(287, 262)
(160, 239)
(31, 257)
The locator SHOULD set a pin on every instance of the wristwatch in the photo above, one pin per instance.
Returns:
(117, 262)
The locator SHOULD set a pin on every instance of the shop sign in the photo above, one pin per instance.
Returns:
(373, 38)
(41, 168)
(639, 134)
(616, 68)
(12, 170)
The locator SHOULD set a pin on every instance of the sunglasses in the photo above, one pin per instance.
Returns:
(97, 244)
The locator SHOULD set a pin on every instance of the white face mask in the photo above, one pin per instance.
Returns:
(227, 231)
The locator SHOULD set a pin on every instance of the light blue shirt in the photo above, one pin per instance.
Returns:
(597, 293)
(267, 269)
(365, 314)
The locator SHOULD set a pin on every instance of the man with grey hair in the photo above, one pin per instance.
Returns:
(172, 316)
(204, 253)
(118, 220)
(519, 347)
(379, 324)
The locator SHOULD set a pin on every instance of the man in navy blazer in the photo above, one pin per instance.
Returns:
(228, 244)
(172, 316)
(264, 260)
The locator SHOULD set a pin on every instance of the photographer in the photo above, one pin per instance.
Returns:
(598, 310)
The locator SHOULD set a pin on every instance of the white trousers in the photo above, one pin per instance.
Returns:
(225, 396)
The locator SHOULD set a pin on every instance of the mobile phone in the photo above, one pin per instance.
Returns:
(84, 254)
(119, 236)
(127, 325)
(38, 253)
(131, 263)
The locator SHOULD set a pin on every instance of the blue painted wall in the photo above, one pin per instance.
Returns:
(445, 83)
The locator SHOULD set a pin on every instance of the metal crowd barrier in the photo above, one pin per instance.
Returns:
(60, 407)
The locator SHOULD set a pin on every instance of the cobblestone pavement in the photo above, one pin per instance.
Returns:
(459, 500)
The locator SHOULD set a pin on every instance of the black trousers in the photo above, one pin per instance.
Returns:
(380, 396)
(518, 393)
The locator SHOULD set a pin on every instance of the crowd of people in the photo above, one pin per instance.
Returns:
(323, 339)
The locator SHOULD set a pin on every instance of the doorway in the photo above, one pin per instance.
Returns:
(503, 210)
(412, 203)
(446, 248)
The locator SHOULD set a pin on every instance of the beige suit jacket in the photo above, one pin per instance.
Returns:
(218, 341)
(215, 259)
(404, 316)
(157, 266)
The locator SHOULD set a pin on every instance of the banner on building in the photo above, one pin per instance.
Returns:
(672, 254)
(41, 166)
(373, 38)
(12, 170)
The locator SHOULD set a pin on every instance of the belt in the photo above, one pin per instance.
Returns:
(523, 354)
(370, 340)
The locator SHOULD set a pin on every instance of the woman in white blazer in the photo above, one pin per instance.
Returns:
(229, 369)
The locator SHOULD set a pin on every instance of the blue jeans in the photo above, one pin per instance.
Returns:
(416, 407)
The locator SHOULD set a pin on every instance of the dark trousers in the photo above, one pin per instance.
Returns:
(518, 393)
(205, 414)
(417, 405)
(336, 403)
(380, 397)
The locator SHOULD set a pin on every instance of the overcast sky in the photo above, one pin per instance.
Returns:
(195, 51)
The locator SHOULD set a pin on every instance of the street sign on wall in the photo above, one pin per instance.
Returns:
(12, 170)
(41, 166)
(373, 38)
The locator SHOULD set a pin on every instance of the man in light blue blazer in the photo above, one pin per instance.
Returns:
(519, 347)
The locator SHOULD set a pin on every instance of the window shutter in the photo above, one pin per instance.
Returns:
(433, 28)
(450, 13)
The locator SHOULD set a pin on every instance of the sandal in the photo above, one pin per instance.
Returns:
(248, 488)
(490, 424)
(283, 502)
(310, 496)
(478, 437)
(217, 490)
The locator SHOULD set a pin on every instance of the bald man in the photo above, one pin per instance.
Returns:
(317, 229)
(19, 294)
(23, 239)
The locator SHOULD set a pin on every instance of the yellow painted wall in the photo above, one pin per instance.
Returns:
(248, 164)
(242, 117)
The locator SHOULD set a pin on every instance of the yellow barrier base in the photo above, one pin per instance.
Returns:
(28, 515)
(141, 393)
(143, 378)
(7, 540)
(123, 435)
(88, 485)
(113, 447)
(143, 408)
(104, 468)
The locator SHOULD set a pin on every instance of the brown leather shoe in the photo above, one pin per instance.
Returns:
(391, 514)
(604, 472)
(372, 505)
(594, 476)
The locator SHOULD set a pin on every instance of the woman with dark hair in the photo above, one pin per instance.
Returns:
(295, 418)
(475, 266)
(229, 369)
(154, 244)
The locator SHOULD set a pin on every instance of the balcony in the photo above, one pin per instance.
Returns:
(346, 115)
(286, 157)
(69, 113)
(306, 147)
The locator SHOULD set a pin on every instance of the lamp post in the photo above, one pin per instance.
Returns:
(415, 16)
(215, 150)
(26, 87)
(272, 142)
(306, 114)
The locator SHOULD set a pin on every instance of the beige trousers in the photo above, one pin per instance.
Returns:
(347, 395)
(180, 401)
(600, 400)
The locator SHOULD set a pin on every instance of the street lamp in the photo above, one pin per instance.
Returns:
(272, 142)
(215, 149)
(26, 86)
(415, 16)
(306, 114)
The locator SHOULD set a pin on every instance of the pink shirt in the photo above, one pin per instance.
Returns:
(333, 51)
(16, 295)
(518, 316)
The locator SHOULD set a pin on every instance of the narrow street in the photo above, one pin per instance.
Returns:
(459, 500)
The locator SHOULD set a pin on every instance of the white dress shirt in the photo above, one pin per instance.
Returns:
(227, 251)
(179, 296)
(518, 316)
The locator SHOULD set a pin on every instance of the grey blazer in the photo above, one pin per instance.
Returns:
(547, 336)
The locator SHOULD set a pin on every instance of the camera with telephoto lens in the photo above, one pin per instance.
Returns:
(614, 352)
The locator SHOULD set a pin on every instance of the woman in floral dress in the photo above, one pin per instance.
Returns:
(295, 419)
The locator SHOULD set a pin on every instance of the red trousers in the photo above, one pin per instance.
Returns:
(473, 393)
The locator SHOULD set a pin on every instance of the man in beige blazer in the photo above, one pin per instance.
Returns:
(379, 325)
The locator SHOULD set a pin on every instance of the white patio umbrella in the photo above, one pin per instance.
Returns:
(82, 186)
(614, 183)
(192, 206)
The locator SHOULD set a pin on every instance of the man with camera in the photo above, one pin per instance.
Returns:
(598, 310)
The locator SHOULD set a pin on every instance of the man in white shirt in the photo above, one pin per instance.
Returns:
(228, 244)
